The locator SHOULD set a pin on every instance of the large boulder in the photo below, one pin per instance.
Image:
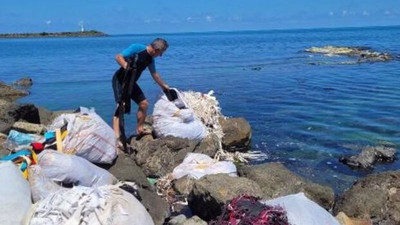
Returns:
(10, 94)
(159, 157)
(375, 197)
(208, 146)
(157, 207)
(237, 134)
(125, 169)
(25, 82)
(276, 180)
(211, 192)
(12, 112)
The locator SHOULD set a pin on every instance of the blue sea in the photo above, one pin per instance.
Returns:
(305, 110)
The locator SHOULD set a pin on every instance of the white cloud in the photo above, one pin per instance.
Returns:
(387, 12)
(209, 18)
(190, 19)
(331, 13)
(48, 22)
(344, 12)
(365, 13)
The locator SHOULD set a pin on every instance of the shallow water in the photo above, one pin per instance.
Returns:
(304, 110)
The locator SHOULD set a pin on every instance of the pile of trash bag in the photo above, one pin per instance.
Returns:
(175, 118)
(62, 184)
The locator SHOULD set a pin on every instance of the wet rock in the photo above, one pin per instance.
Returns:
(9, 93)
(211, 192)
(30, 128)
(25, 81)
(362, 54)
(156, 206)
(183, 220)
(257, 68)
(370, 156)
(275, 181)
(160, 156)
(375, 197)
(237, 134)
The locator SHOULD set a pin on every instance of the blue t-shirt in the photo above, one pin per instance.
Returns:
(136, 48)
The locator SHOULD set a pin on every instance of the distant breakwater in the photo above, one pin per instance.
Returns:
(92, 33)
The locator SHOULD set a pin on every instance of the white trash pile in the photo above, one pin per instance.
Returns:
(63, 185)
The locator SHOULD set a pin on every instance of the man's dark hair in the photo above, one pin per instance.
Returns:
(159, 44)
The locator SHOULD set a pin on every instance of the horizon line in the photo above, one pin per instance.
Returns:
(252, 30)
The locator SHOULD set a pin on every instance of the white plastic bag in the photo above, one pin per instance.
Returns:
(88, 136)
(17, 141)
(170, 118)
(73, 169)
(15, 195)
(302, 211)
(197, 165)
(106, 205)
(41, 186)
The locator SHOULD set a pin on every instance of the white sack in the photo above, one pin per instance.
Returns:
(61, 167)
(88, 136)
(106, 205)
(15, 195)
(41, 186)
(197, 165)
(169, 118)
(302, 211)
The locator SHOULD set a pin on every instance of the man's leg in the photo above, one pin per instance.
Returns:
(141, 116)
(116, 125)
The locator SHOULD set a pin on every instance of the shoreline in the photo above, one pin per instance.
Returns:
(91, 33)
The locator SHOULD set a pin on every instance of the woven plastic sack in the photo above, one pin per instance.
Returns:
(175, 119)
(106, 205)
(41, 186)
(197, 165)
(72, 169)
(15, 195)
(302, 211)
(88, 136)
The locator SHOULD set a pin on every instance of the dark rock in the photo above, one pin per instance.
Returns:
(47, 117)
(26, 81)
(257, 68)
(237, 134)
(376, 196)
(12, 112)
(10, 94)
(208, 146)
(184, 185)
(370, 156)
(125, 169)
(159, 157)
(211, 192)
(156, 206)
(275, 181)
(3, 151)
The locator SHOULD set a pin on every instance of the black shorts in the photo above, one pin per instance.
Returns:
(136, 95)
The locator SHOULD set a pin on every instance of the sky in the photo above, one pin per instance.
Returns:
(162, 16)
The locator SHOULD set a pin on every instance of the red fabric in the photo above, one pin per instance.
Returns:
(37, 146)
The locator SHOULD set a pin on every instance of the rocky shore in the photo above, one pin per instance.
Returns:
(91, 33)
(374, 199)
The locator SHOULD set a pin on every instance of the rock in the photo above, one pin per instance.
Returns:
(12, 112)
(159, 157)
(369, 156)
(3, 151)
(208, 146)
(182, 220)
(125, 169)
(211, 192)
(9, 93)
(275, 181)
(375, 197)
(30, 128)
(237, 134)
(183, 185)
(26, 81)
(47, 117)
(156, 206)
(345, 220)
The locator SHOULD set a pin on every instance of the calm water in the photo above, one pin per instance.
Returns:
(301, 114)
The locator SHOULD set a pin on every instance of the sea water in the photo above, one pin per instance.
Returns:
(305, 110)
